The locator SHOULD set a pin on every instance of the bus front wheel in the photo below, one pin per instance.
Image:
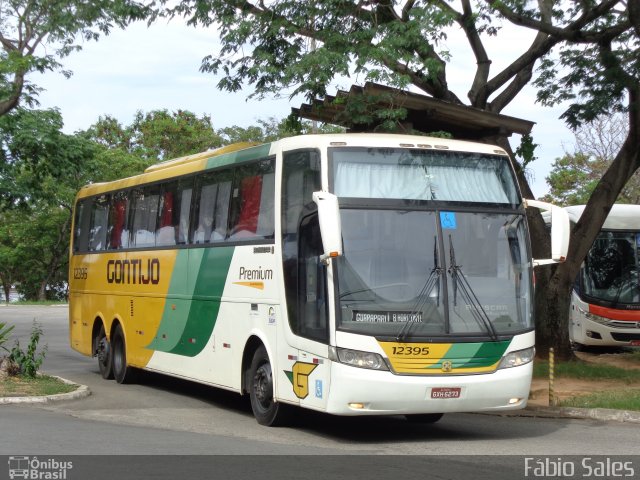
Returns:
(122, 372)
(266, 410)
(102, 350)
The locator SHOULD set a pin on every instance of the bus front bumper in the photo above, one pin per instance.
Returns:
(358, 391)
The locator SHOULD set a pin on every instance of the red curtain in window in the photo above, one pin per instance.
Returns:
(251, 192)
(166, 218)
(120, 209)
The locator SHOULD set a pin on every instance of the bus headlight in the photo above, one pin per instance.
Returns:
(356, 358)
(517, 358)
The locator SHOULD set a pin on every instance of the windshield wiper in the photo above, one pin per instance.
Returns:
(460, 281)
(432, 281)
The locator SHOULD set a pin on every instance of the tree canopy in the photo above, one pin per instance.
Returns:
(583, 54)
(574, 176)
(42, 168)
(27, 26)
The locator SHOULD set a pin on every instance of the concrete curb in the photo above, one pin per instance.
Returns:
(601, 414)
(81, 392)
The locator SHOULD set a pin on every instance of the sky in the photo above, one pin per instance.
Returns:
(157, 67)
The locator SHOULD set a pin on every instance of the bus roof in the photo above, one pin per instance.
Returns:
(244, 151)
(621, 216)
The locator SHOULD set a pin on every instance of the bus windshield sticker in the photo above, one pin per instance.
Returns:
(385, 317)
(448, 220)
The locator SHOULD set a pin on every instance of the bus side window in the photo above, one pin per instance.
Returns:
(145, 213)
(173, 214)
(185, 191)
(312, 298)
(212, 208)
(302, 279)
(253, 200)
(81, 226)
(98, 223)
(118, 235)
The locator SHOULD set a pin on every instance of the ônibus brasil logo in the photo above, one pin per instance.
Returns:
(38, 469)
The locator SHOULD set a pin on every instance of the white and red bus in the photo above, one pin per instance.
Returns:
(605, 303)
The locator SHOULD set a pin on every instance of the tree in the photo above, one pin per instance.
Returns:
(574, 176)
(41, 171)
(587, 52)
(42, 168)
(27, 26)
(157, 135)
(273, 129)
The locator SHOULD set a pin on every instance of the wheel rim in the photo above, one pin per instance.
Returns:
(263, 386)
(103, 351)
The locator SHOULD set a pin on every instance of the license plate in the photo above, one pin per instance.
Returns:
(635, 343)
(446, 392)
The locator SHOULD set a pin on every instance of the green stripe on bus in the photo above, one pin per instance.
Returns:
(252, 153)
(210, 283)
(473, 355)
(173, 319)
(187, 329)
(488, 354)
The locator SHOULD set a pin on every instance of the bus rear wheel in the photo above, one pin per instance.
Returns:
(102, 350)
(424, 417)
(122, 372)
(266, 410)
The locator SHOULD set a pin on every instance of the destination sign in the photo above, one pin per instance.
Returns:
(385, 316)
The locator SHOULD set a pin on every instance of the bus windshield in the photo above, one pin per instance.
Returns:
(473, 279)
(433, 175)
(610, 272)
(422, 268)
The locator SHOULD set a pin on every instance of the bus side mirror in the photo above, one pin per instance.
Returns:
(330, 226)
(560, 229)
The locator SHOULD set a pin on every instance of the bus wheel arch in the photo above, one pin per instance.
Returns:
(251, 346)
(102, 349)
(122, 371)
(266, 409)
(258, 382)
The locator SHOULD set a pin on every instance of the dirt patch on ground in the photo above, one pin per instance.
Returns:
(613, 359)
(570, 387)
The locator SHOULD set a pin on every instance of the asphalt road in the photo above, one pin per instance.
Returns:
(162, 415)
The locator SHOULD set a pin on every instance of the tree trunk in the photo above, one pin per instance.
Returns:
(7, 291)
(552, 308)
(42, 291)
(555, 316)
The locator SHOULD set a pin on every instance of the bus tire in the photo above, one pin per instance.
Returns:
(424, 417)
(122, 372)
(266, 411)
(104, 354)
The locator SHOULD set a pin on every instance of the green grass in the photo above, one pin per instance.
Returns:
(615, 399)
(586, 371)
(39, 386)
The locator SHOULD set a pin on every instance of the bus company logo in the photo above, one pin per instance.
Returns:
(447, 366)
(36, 469)
(134, 271)
(254, 277)
(299, 378)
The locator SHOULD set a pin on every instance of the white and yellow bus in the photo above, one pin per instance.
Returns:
(605, 301)
(355, 274)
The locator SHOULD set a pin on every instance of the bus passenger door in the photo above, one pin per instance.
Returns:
(311, 370)
(305, 353)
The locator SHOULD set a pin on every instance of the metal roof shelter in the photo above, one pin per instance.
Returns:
(424, 114)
